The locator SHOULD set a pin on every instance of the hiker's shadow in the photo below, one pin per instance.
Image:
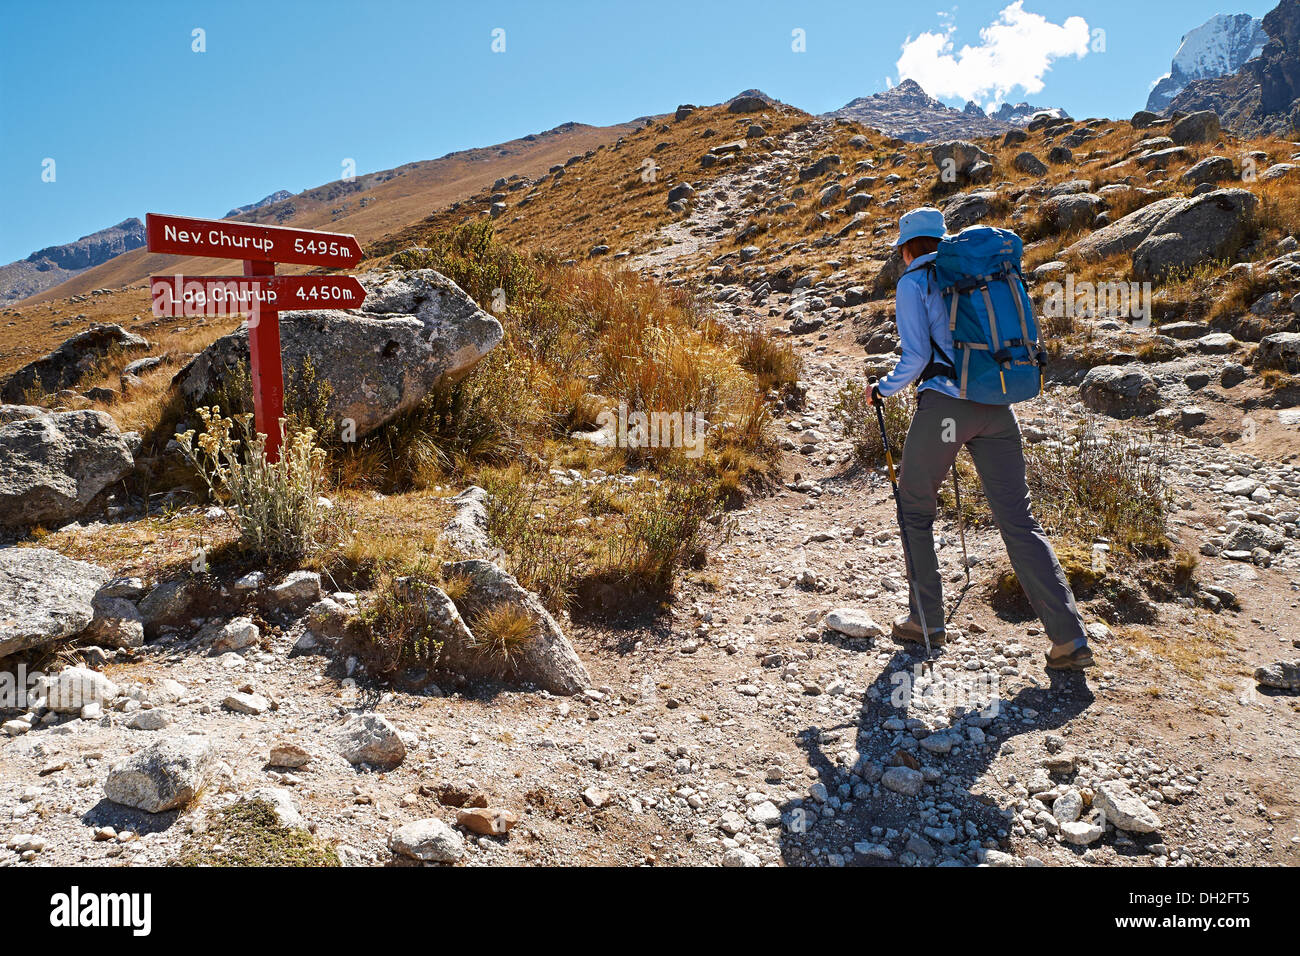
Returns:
(865, 822)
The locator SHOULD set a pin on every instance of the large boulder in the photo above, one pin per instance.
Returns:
(1280, 350)
(1120, 391)
(956, 157)
(1123, 235)
(429, 840)
(545, 659)
(1212, 169)
(1072, 211)
(372, 739)
(416, 330)
(1199, 127)
(966, 209)
(1209, 228)
(166, 775)
(67, 365)
(52, 466)
(44, 597)
(1029, 164)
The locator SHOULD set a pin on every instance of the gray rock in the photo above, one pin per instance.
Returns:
(238, 634)
(853, 622)
(1069, 212)
(167, 775)
(747, 104)
(297, 589)
(1163, 158)
(372, 739)
(428, 840)
(1125, 234)
(243, 703)
(680, 192)
(966, 209)
(903, 780)
(153, 719)
(1199, 127)
(547, 660)
(1212, 169)
(44, 597)
(67, 365)
(1281, 350)
(957, 156)
(52, 466)
(1081, 833)
(18, 413)
(466, 530)
(117, 623)
(1283, 675)
(416, 330)
(1029, 164)
(168, 602)
(1210, 227)
(1124, 809)
(1120, 391)
(72, 688)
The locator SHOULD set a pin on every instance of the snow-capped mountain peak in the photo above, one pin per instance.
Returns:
(1217, 47)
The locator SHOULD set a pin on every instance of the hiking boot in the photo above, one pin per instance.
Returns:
(907, 628)
(1078, 659)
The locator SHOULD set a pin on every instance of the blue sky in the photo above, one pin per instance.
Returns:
(137, 122)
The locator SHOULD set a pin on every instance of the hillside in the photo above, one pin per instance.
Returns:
(369, 207)
(53, 265)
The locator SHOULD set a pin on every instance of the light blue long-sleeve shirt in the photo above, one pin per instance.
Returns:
(921, 316)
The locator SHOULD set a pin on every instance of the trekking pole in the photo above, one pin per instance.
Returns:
(961, 523)
(902, 531)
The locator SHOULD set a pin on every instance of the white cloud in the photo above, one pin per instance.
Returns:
(1016, 50)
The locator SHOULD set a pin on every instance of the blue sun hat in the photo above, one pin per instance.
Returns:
(926, 221)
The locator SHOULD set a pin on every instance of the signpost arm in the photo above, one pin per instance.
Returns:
(264, 366)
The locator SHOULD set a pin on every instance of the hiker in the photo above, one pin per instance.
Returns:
(971, 407)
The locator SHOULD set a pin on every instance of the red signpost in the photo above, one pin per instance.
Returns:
(259, 292)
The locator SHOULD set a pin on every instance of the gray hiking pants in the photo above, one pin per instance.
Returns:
(941, 426)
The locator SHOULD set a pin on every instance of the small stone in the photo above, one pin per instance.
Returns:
(429, 840)
(903, 780)
(486, 821)
(237, 635)
(853, 622)
(288, 754)
(252, 704)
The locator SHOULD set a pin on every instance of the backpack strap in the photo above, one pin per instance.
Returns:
(934, 369)
(1020, 309)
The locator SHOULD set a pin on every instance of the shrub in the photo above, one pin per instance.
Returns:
(276, 506)
(857, 418)
(1103, 484)
(397, 632)
(501, 631)
(249, 834)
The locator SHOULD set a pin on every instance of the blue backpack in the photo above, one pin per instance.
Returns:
(1000, 360)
